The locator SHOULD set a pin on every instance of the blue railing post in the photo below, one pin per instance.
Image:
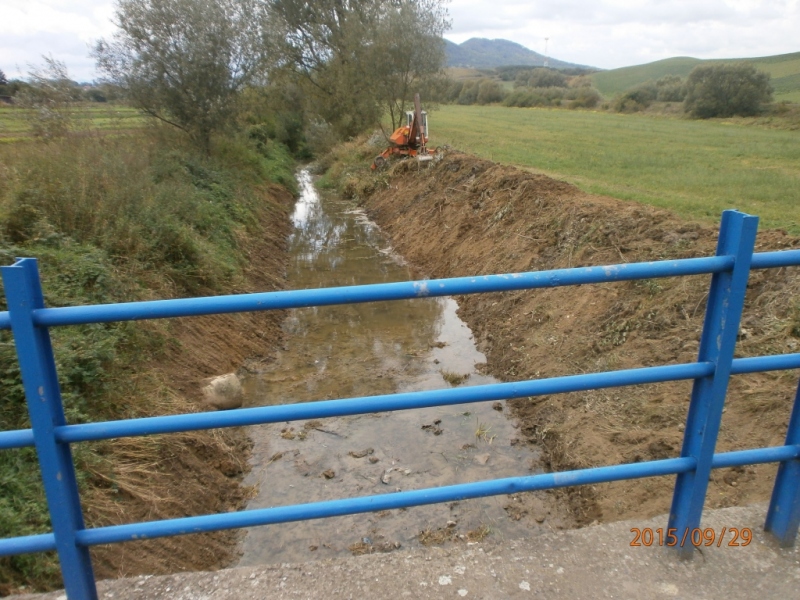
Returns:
(39, 378)
(783, 516)
(723, 312)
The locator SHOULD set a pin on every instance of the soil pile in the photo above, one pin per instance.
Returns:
(199, 472)
(467, 216)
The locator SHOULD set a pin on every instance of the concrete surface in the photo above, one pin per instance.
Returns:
(595, 562)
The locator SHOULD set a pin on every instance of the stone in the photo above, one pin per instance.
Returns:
(223, 392)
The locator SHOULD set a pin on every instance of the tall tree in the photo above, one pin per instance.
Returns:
(184, 61)
(3, 80)
(725, 90)
(358, 58)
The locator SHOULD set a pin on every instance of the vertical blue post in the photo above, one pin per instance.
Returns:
(783, 516)
(36, 361)
(724, 310)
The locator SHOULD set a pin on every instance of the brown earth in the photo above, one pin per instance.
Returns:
(200, 472)
(466, 216)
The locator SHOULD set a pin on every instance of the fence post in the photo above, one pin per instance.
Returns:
(783, 516)
(37, 364)
(723, 312)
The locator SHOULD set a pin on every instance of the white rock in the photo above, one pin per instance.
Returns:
(223, 392)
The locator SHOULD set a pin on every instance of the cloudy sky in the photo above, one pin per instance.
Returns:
(601, 33)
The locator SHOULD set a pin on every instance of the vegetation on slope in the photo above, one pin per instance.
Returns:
(784, 70)
(118, 219)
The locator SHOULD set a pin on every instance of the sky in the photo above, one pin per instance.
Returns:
(600, 33)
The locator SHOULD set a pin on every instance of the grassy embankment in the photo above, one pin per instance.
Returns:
(130, 216)
(694, 168)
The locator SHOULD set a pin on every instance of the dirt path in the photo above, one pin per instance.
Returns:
(466, 216)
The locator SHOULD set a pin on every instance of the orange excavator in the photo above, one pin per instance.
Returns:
(409, 140)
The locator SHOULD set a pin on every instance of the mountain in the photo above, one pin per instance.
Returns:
(784, 70)
(480, 53)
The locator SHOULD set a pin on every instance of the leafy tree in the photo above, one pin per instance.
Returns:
(726, 90)
(671, 88)
(49, 95)
(357, 59)
(3, 80)
(637, 98)
(184, 61)
(489, 91)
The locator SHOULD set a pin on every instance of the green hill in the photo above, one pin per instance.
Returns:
(784, 69)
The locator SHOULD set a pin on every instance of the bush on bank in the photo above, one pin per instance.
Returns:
(113, 219)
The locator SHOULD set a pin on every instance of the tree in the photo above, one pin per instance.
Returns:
(184, 61)
(358, 58)
(3, 80)
(49, 96)
(725, 90)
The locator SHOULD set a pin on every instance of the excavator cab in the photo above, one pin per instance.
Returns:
(409, 140)
(423, 124)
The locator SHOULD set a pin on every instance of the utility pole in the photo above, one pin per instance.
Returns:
(545, 51)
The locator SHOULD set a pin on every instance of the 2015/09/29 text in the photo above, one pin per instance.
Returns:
(697, 537)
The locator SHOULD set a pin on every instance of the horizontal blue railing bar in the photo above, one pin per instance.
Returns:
(369, 404)
(755, 456)
(347, 506)
(187, 307)
(184, 307)
(256, 416)
(775, 259)
(20, 438)
(44, 542)
(756, 364)
(352, 506)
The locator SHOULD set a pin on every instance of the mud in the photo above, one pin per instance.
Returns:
(363, 350)
(465, 216)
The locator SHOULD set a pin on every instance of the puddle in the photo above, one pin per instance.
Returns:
(364, 350)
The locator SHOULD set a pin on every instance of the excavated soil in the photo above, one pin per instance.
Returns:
(466, 216)
(195, 473)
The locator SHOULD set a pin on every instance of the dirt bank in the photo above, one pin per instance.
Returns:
(466, 216)
(200, 472)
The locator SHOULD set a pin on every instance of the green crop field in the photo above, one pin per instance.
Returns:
(784, 70)
(107, 118)
(694, 168)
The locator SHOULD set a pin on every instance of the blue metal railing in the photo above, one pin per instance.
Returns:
(51, 435)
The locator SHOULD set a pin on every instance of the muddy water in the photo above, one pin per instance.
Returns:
(362, 350)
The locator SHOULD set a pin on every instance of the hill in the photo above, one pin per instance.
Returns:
(486, 54)
(784, 69)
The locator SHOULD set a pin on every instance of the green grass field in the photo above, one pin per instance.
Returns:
(784, 70)
(694, 168)
(14, 122)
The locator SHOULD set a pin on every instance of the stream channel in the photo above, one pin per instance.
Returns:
(363, 350)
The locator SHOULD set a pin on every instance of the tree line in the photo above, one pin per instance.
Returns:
(337, 64)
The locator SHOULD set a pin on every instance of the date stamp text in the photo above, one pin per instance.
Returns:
(736, 537)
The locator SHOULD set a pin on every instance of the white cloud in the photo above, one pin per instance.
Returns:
(615, 33)
(603, 33)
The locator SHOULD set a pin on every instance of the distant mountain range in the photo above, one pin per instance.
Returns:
(480, 53)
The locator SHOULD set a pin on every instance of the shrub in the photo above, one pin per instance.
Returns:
(489, 91)
(726, 90)
(542, 77)
(636, 99)
(583, 97)
(469, 92)
(671, 88)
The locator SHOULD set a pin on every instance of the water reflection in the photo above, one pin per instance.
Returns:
(362, 350)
